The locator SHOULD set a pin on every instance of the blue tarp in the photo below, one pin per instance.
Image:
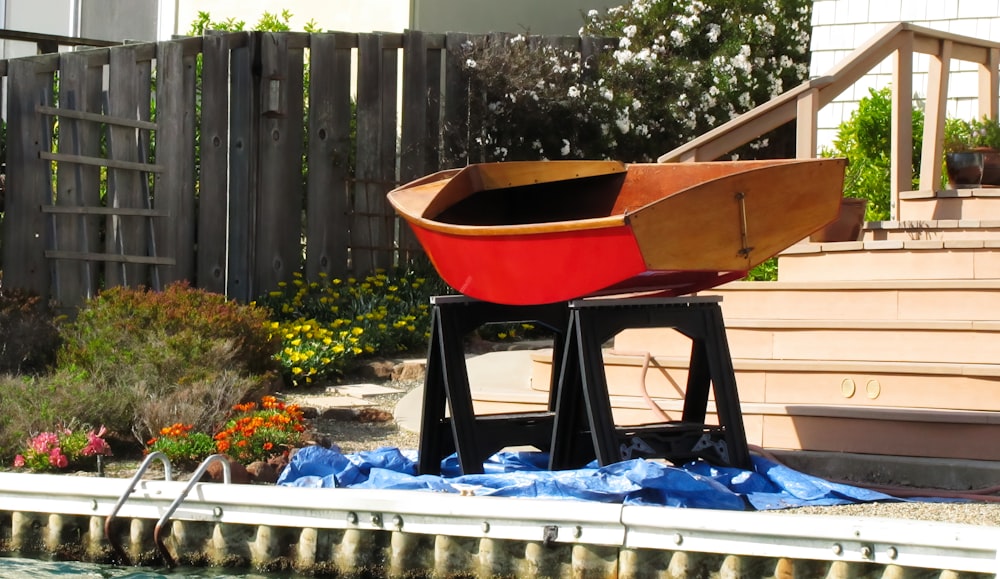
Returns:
(634, 482)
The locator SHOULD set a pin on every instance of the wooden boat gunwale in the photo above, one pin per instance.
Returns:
(544, 231)
(404, 198)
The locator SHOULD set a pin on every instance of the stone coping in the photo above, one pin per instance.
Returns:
(853, 285)
(950, 193)
(891, 245)
(932, 224)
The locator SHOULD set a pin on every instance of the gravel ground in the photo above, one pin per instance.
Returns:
(369, 429)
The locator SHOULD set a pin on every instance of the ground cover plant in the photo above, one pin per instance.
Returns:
(135, 359)
(328, 324)
(252, 432)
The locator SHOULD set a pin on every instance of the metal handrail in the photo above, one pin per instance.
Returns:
(227, 478)
(167, 473)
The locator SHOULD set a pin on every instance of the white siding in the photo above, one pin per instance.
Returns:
(839, 26)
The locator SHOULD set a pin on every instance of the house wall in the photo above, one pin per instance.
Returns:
(344, 15)
(551, 17)
(840, 26)
(43, 16)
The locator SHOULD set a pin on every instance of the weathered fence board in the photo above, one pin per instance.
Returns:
(279, 219)
(214, 152)
(28, 177)
(327, 233)
(367, 225)
(244, 102)
(79, 184)
(248, 174)
(177, 121)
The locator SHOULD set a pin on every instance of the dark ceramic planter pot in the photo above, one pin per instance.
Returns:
(847, 226)
(974, 168)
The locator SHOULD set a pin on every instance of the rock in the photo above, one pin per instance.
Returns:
(262, 472)
(369, 415)
(409, 371)
(238, 472)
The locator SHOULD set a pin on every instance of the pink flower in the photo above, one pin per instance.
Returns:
(44, 442)
(96, 444)
(57, 458)
(18, 461)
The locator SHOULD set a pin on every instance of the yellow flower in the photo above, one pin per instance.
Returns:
(296, 370)
(357, 331)
(296, 342)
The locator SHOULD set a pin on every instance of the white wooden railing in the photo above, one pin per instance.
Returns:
(900, 42)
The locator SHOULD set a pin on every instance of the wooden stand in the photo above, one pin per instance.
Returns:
(578, 426)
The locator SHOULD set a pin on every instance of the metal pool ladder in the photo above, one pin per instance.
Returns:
(227, 478)
(167, 472)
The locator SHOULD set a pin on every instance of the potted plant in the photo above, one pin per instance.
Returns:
(972, 152)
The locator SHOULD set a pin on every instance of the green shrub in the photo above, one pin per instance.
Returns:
(865, 141)
(28, 334)
(178, 355)
(181, 445)
(33, 404)
(167, 330)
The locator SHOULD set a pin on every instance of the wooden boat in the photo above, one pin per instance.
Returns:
(539, 232)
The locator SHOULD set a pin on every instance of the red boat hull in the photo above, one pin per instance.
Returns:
(544, 232)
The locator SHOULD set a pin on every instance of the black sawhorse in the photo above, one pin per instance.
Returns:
(476, 438)
(583, 402)
(578, 426)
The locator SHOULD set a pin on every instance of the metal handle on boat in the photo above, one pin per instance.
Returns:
(745, 240)
(167, 472)
(227, 478)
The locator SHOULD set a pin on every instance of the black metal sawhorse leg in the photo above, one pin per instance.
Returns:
(446, 386)
(583, 402)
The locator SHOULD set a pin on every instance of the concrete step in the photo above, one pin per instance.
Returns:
(978, 204)
(866, 422)
(940, 386)
(864, 300)
(901, 260)
(918, 341)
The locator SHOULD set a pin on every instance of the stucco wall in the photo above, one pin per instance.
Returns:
(840, 26)
(555, 17)
(345, 15)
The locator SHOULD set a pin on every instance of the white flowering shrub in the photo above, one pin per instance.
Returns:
(527, 100)
(675, 69)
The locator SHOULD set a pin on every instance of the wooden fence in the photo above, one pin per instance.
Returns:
(231, 160)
